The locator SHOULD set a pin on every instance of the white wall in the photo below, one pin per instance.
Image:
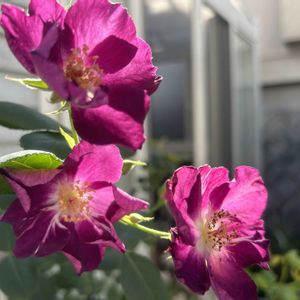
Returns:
(280, 60)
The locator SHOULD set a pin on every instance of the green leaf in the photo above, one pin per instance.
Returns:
(16, 116)
(68, 138)
(293, 259)
(283, 292)
(129, 165)
(47, 141)
(112, 261)
(63, 107)
(264, 279)
(5, 200)
(16, 279)
(115, 293)
(126, 152)
(30, 159)
(130, 236)
(31, 83)
(140, 280)
(6, 237)
(4, 186)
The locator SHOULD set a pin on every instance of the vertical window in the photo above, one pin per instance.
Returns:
(167, 29)
(218, 89)
(244, 107)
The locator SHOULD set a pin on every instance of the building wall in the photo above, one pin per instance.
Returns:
(279, 49)
(279, 52)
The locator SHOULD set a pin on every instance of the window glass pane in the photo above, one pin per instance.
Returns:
(167, 29)
(218, 88)
(244, 104)
(167, 118)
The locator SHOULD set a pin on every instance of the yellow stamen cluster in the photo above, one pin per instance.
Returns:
(218, 234)
(82, 69)
(73, 201)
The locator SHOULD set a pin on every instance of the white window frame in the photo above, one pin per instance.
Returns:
(238, 23)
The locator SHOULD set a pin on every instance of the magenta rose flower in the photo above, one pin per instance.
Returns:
(218, 230)
(70, 209)
(90, 56)
(24, 31)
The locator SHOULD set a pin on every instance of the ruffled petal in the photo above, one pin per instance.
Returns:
(212, 182)
(184, 199)
(51, 71)
(48, 65)
(99, 231)
(247, 253)
(190, 267)
(229, 281)
(92, 163)
(140, 73)
(56, 237)
(119, 122)
(184, 191)
(113, 54)
(14, 214)
(124, 204)
(34, 234)
(93, 21)
(48, 11)
(23, 33)
(21, 193)
(33, 177)
(247, 195)
(113, 203)
(84, 257)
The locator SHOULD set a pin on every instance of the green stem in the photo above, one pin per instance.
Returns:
(161, 202)
(74, 133)
(284, 271)
(162, 234)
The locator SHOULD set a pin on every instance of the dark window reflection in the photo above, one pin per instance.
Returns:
(167, 119)
(167, 29)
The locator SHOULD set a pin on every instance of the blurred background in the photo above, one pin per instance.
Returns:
(230, 96)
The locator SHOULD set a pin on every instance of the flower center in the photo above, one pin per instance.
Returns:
(220, 229)
(83, 69)
(73, 201)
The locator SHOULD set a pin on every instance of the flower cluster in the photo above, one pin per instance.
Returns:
(71, 209)
(91, 57)
(218, 229)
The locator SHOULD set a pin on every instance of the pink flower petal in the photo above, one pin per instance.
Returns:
(48, 11)
(84, 257)
(23, 33)
(140, 73)
(113, 54)
(114, 203)
(99, 230)
(93, 21)
(247, 197)
(190, 267)
(119, 122)
(21, 193)
(33, 177)
(184, 199)
(229, 281)
(247, 253)
(95, 163)
(41, 237)
(211, 181)
(124, 205)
